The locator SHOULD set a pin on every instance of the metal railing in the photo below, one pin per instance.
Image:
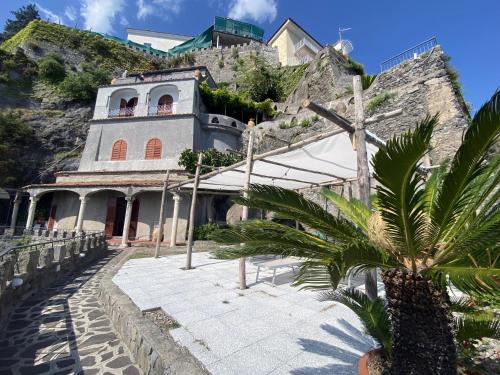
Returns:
(50, 243)
(410, 53)
(121, 112)
(304, 42)
(160, 110)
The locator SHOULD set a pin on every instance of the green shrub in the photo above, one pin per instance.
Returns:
(354, 66)
(51, 68)
(289, 76)
(83, 86)
(378, 100)
(258, 80)
(348, 91)
(203, 232)
(235, 104)
(367, 80)
(16, 139)
(212, 157)
(221, 63)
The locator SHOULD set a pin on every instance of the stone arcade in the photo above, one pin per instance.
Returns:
(141, 124)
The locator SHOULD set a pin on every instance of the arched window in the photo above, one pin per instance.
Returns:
(127, 108)
(215, 120)
(119, 151)
(233, 124)
(153, 149)
(165, 105)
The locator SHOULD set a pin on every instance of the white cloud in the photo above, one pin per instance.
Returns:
(70, 13)
(124, 21)
(255, 10)
(50, 15)
(99, 15)
(158, 8)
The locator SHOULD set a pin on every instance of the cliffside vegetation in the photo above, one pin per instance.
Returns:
(16, 140)
(235, 104)
(212, 157)
(104, 53)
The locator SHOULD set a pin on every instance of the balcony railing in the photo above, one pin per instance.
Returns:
(410, 53)
(103, 112)
(121, 112)
(160, 110)
(304, 42)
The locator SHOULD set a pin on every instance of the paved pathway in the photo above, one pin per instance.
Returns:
(65, 331)
(258, 331)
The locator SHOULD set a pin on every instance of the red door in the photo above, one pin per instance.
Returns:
(133, 220)
(110, 217)
(52, 217)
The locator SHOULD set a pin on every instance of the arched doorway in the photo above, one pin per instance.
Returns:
(165, 105)
(127, 108)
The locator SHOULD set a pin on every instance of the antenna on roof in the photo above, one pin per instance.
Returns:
(343, 45)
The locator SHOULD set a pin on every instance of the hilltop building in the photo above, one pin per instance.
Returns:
(291, 42)
(295, 45)
(141, 124)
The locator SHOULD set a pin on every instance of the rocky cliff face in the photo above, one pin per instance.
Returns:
(418, 87)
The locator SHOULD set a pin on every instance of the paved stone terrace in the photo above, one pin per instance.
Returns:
(261, 330)
(65, 331)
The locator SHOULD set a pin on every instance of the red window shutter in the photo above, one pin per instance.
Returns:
(119, 151)
(153, 149)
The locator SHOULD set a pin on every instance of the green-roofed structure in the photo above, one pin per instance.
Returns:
(224, 32)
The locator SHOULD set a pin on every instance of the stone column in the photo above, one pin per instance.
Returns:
(175, 219)
(126, 225)
(15, 211)
(31, 212)
(81, 213)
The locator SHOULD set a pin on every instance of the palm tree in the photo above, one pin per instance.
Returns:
(424, 233)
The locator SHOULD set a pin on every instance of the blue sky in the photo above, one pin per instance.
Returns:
(469, 31)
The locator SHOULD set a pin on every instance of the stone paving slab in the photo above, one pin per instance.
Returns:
(260, 330)
(65, 331)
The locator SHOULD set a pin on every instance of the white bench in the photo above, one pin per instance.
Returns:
(288, 262)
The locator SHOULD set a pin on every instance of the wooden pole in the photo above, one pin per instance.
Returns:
(363, 171)
(161, 219)
(244, 213)
(192, 212)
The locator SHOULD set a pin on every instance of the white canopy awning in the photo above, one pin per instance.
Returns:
(330, 159)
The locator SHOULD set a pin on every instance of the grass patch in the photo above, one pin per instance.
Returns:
(380, 99)
(104, 53)
(305, 123)
(289, 76)
(348, 91)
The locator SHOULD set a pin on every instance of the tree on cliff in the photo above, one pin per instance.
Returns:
(23, 16)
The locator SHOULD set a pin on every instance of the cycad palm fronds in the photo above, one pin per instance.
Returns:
(400, 191)
(470, 328)
(355, 210)
(372, 313)
(458, 188)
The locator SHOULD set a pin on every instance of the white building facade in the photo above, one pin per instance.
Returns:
(141, 125)
(295, 45)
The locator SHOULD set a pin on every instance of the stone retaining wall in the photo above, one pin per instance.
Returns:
(24, 272)
(154, 352)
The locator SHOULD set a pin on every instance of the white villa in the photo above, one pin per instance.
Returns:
(141, 124)
(295, 45)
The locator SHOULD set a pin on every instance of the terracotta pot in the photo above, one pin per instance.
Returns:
(363, 362)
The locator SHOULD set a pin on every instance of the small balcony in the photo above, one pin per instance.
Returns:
(103, 112)
(305, 47)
